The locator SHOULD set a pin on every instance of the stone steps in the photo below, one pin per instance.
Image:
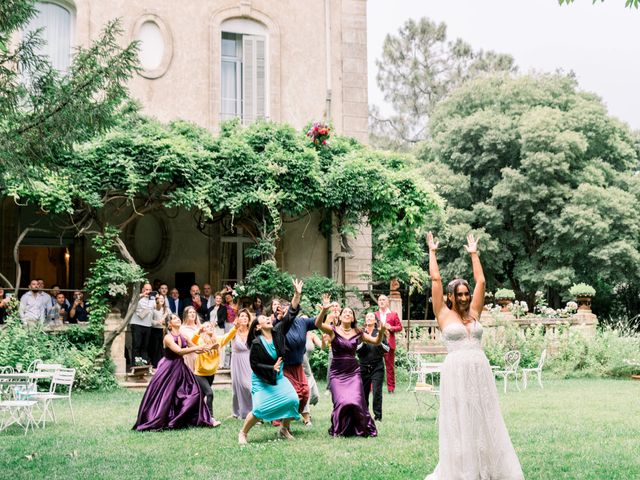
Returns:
(221, 382)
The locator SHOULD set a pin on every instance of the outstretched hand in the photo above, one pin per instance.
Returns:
(297, 286)
(433, 245)
(472, 244)
(326, 300)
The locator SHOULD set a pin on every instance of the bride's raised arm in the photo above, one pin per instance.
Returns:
(477, 303)
(437, 292)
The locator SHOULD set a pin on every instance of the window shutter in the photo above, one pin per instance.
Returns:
(253, 78)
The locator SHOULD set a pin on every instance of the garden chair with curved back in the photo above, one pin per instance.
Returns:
(537, 370)
(511, 363)
(63, 377)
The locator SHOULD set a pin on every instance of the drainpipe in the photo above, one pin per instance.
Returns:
(327, 31)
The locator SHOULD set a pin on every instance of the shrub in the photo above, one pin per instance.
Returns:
(504, 293)
(572, 355)
(20, 344)
(582, 289)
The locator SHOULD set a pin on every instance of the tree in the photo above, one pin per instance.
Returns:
(418, 68)
(543, 175)
(259, 176)
(43, 112)
(627, 3)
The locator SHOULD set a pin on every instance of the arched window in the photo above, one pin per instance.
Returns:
(56, 22)
(244, 70)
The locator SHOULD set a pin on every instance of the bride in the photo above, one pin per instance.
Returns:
(474, 442)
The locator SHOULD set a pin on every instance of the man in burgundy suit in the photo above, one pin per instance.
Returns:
(393, 325)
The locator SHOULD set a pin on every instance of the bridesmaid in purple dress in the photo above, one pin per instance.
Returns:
(350, 416)
(173, 398)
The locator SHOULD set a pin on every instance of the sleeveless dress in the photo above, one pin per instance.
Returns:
(173, 398)
(474, 442)
(350, 416)
(240, 378)
(273, 402)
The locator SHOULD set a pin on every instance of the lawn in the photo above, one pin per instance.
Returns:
(573, 429)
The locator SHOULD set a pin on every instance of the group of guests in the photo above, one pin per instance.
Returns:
(156, 302)
(473, 439)
(37, 306)
(271, 377)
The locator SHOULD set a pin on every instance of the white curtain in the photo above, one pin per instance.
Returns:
(56, 24)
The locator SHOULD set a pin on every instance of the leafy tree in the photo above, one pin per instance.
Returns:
(627, 3)
(419, 67)
(43, 112)
(544, 176)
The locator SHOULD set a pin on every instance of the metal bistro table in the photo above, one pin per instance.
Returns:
(18, 407)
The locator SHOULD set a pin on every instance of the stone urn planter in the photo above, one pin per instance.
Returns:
(504, 303)
(583, 294)
(504, 297)
(139, 373)
(584, 302)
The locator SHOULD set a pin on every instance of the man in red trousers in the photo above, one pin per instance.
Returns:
(393, 325)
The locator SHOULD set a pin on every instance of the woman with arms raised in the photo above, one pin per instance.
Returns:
(474, 442)
(272, 394)
(173, 398)
(350, 416)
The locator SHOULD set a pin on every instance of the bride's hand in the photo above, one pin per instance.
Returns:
(433, 245)
(472, 244)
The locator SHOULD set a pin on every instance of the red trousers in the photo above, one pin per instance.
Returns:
(295, 375)
(389, 363)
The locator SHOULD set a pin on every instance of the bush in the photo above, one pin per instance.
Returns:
(319, 361)
(314, 286)
(20, 344)
(572, 355)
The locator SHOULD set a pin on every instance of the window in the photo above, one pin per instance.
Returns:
(151, 50)
(155, 47)
(56, 24)
(243, 71)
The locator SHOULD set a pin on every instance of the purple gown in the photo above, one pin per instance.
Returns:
(173, 398)
(350, 416)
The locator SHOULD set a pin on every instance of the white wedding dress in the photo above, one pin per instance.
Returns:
(474, 442)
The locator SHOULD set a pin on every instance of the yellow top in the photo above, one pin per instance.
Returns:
(207, 363)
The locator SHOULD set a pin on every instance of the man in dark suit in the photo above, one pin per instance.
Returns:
(198, 302)
(393, 326)
(176, 304)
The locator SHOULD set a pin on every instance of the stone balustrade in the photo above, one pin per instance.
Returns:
(424, 335)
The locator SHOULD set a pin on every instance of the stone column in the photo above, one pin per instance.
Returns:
(111, 324)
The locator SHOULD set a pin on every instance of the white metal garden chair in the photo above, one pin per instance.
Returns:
(537, 370)
(414, 360)
(511, 363)
(33, 366)
(64, 378)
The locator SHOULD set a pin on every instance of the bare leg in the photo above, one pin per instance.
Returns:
(284, 430)
(249, 422)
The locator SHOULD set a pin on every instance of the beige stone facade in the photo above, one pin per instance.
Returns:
(315, 68)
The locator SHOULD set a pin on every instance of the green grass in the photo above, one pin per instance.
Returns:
(573, 429)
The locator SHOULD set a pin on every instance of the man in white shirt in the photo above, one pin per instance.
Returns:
(140, 324)
(32, 307)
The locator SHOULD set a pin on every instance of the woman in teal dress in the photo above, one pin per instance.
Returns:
(272, 395)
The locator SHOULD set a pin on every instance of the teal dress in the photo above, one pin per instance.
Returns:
(273, 402)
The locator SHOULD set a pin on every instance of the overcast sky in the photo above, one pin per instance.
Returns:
(600, 43)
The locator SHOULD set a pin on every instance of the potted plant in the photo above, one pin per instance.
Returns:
(504, 297)
(583, 294)
(139, 370)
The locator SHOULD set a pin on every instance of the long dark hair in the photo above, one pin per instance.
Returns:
(253, 332)
(354, 322)
(452, 287)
